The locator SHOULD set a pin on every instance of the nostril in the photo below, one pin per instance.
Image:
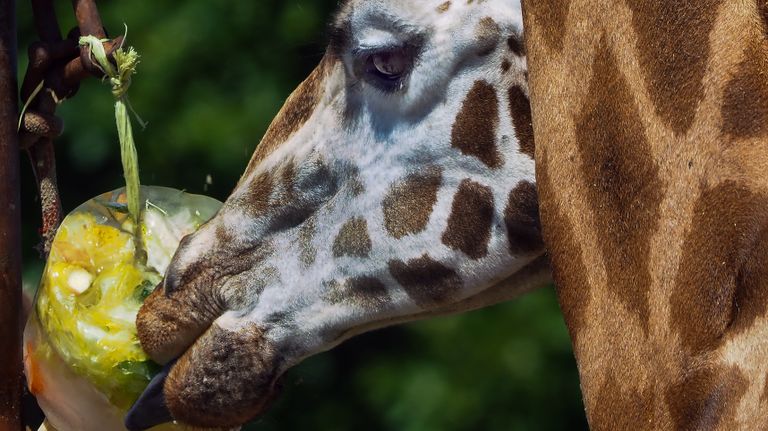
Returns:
(173, 274)
(172, 281)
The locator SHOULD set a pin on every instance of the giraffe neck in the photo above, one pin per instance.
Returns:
(651, 122)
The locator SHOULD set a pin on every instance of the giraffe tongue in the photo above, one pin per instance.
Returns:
(150, 409)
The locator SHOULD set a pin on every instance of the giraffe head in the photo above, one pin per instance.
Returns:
(396, 183)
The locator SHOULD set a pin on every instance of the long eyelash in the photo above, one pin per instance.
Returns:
(365, 51)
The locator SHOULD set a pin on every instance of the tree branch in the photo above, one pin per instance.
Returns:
(10, 227)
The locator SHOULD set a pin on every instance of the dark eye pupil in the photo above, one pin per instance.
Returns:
(389, 64)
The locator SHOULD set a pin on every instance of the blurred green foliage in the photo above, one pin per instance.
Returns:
(213, 75)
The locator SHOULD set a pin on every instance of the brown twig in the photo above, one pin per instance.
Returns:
(88, 18)
(44, 60)
(61, 64)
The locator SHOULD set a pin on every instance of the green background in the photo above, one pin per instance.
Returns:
(213, 75)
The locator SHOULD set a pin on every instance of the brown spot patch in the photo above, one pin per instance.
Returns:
(224, 380)
(617, 408)
(707, 399)
(745, 102)
(224, 278)
(487, 35)
(288, 180)
(515, 44)
(568, 268)
(444, 7)
(550, 16)
(505, 65)
(752, 283)
(368, 291)
(307, 252)
(409, 203)
(242, 286)
(295, 112)
(673, 45)
(762, 8)
(356, 186)
(363, 291)
(720, 268)
(522, 219)
(474, 131)
(425, 280)
(764, 396)
(353, 239)
(471, 219)
(256, 200)
(623, 183)
(520, 110)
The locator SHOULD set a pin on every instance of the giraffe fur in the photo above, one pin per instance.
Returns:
(652, 168)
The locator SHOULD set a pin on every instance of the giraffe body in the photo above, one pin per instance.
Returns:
(651, 122)
(396, 183)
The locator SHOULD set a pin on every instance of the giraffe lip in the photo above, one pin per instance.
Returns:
(150, 409)
(234, 416)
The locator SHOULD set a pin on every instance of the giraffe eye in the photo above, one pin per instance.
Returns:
(387, 69)
(389, 64)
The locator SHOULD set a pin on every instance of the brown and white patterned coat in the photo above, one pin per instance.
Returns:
(651, 122)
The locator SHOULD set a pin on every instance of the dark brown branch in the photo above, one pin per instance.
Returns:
(46, 59)
(46, 23)
(10, 227)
